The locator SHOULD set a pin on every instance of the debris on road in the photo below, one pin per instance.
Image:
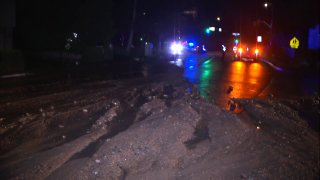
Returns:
(230, 88)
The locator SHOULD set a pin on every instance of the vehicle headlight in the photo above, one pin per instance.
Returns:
(176, 48)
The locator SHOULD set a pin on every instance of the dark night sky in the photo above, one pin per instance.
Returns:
(288, 14)
(55, 18)
(286, 10)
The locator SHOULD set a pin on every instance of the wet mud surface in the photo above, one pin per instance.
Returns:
(152, 128)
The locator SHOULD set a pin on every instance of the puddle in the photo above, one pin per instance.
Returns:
(221, 81)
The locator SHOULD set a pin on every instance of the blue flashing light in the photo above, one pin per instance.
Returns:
(191, 44)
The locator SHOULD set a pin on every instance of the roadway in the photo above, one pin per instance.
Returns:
(220, 80)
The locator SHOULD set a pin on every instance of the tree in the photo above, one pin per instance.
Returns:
(132, 25)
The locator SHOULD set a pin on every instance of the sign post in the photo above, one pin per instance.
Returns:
(294, 44)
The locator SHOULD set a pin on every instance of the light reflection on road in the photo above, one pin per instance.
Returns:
(246, 79)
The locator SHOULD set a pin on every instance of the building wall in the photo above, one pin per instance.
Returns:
(314, 38)
(7, 23)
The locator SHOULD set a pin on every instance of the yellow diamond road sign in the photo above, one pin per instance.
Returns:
(294, 43)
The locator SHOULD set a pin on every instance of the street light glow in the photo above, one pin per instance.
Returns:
(218, 19)
(212, 28)
(266, 5)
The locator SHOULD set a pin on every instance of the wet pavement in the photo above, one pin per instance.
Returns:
(222, 80)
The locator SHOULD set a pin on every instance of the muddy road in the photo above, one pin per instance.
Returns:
(152, 127)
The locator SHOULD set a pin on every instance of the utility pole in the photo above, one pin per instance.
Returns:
(132, 25)
(268, 5)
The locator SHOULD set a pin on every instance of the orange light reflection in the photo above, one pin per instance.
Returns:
(255, 71)
(244, 79)
(237, 75)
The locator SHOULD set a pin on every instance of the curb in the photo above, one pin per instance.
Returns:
(15, 75)
(278, 68)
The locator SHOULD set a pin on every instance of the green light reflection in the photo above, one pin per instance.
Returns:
(205, 78)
